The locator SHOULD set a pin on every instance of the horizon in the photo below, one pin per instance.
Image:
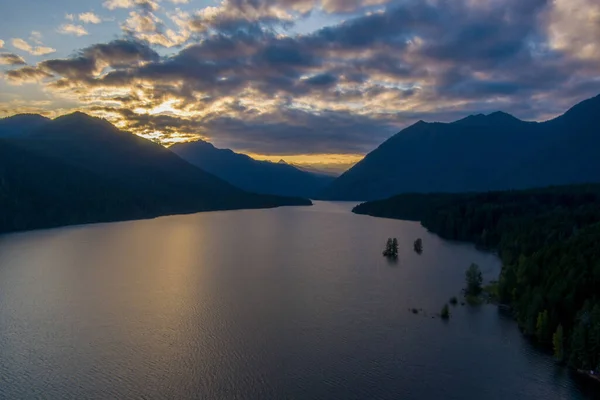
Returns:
(333, 165)
(316, 83)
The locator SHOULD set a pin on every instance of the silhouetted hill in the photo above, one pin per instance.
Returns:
(319, 171)
(479, 153)
(252, 175)
(38, 192)
(21, 124)
(159, 181)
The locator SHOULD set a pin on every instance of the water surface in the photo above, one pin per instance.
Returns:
(289, 303)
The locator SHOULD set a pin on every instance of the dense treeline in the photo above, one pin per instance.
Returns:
(549, 243)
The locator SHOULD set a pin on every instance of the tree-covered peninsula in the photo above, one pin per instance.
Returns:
(549, 243)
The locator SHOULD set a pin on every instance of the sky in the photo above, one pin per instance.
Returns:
(315, 82)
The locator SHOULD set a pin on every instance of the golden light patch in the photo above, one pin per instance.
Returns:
(334, 163)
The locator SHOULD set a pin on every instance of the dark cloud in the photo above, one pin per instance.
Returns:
(120, 53)
(322, 80)
(82, 67)
(76, 68)
(11, 59)
(286, 52)
(26, 75)
(338, 132)
(302, 132)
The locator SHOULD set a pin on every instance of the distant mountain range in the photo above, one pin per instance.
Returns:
(79, 169)
(250, 174)
(479, 153)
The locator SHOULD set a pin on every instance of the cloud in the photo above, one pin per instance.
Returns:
(144, 25)
(11, 59)
(33, 50)
(36, 37)
(1, 44)
(348, 6)
(89, 18)
(114, 4)
(25, 106)
(26, 75)
(574, 27)
(325, 79)
(71, 29)
(233, 15)
(69, 17)
(91, 61)
(146, 4)
(142, 22)
(243, 80)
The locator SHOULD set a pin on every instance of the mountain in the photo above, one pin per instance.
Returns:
(38, 192)
(21, 124)
(256, 176)
(479, 153)
(91, 151)
(317, 171)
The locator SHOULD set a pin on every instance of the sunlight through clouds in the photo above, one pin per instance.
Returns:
(323, 78)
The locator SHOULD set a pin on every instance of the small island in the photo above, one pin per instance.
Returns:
(391, 248)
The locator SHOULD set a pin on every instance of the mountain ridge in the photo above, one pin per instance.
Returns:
(280, 178)
(147, 176)
(20, 124)
(479, 153)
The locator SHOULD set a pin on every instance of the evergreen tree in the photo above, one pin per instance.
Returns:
(418, 245)
(558, 344)
(578, 348)
(594, 336)
(391, 248)
(542, 327)
(474, 280)
(445, 314)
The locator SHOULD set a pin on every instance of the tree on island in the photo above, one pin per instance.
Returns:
(474, 280)
(418, 246)
(391, 248)
(445, 314)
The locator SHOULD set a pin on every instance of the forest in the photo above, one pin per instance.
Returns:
(549, 243)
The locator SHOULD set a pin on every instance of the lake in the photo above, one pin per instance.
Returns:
(289, 303)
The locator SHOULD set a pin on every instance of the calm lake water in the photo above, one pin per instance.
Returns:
(290, 303)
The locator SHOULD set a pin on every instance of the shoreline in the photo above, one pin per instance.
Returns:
(590, 374)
